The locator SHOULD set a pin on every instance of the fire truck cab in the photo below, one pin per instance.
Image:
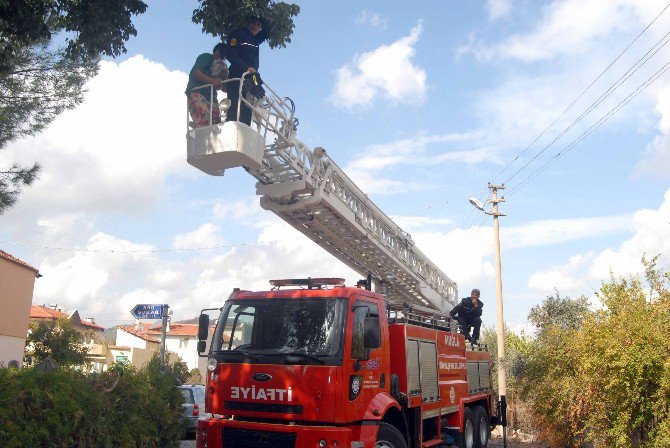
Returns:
(315, 364)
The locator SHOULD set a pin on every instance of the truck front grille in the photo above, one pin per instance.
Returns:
(248, 438)
(263, 407)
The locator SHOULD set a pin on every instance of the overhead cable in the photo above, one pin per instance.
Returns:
(582, 93)
(631, 71)
(595, 126)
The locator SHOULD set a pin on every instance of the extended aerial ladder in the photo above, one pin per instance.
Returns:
(308, 190)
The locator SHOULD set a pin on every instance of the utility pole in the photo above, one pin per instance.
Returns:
(164, 315)
(502, 378)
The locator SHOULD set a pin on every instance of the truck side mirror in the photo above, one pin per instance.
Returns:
(371, 336)
(202, 345)
(203, 329)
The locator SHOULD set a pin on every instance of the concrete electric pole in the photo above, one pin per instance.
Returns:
(502, 378)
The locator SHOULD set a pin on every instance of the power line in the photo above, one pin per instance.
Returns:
(582, 93)
(595, 126)
(631, 71)
(147, 251)
(450, 201)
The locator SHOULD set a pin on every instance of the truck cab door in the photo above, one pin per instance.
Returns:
(367, 376)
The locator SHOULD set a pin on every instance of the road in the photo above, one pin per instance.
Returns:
(495, 443)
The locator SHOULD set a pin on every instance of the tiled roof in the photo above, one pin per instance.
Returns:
(91, 325)
(18, 261)
(119, 347)
(179, 330)
(140, 334)
(45, 312)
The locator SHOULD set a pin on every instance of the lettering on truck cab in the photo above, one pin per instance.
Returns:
(252, 393)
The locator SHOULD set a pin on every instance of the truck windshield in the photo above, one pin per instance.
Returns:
(282, 331)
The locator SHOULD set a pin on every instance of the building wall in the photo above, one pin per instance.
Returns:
(184, 346)
(11, 348)
(16, 296)
(125, 339)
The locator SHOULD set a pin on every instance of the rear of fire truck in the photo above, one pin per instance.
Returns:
(325, 366)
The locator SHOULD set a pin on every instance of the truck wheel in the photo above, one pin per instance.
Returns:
(389, 437)
(467, 439)
(483, 427)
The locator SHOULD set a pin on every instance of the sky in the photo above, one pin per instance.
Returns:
(421, 103)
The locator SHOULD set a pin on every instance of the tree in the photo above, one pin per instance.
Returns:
(56, 339)
(561, 312)
(602, 377)
(39, 79)
(221, 17)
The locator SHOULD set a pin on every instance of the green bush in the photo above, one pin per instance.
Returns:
(604, 381)
(122, 407)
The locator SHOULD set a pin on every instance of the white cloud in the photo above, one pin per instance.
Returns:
(556, 231)
(419, 150)
(107, 276)
(371, 18)
(387, 72)
(656, 158)
(569, 27)
(114, 152)
(237, 210)
(207, 235)
(584, 272)
(566, 278)
(418, 223)
(498, 9)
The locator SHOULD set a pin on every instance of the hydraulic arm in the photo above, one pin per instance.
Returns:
(308, 190)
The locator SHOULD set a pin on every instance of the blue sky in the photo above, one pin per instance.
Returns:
(420, 103)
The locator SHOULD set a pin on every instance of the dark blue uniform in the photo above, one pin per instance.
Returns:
(242, 52)
(469, 315)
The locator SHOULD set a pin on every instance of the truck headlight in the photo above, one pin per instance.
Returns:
(211, 364)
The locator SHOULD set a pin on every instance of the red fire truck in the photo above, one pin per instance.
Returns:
(312, 363)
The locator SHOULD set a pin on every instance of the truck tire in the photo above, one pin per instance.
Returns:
(467, 438)
(389, 437)
(482, 427)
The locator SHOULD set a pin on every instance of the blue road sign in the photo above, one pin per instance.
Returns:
(143, 311)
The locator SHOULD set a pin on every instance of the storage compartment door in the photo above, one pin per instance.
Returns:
(429, 380)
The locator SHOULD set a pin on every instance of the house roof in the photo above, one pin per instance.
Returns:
(179, 330)
(119, 347)
(18, 261)
(86, 322)
(139, 334)
(45, 312)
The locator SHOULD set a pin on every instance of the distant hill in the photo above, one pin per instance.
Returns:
(193, 320)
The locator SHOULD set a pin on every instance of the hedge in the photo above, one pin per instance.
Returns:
(122, 407)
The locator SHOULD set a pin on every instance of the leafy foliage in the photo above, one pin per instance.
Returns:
(603, 376)
(12, 181)
(122, 407)
(40, 79)
(57, 339)
(222, 17)
(516, 351)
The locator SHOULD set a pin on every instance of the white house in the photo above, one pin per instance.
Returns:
(133, 346)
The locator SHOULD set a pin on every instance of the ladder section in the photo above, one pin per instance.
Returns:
(310, 192)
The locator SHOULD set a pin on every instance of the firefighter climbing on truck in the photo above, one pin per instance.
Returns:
(468, 313)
